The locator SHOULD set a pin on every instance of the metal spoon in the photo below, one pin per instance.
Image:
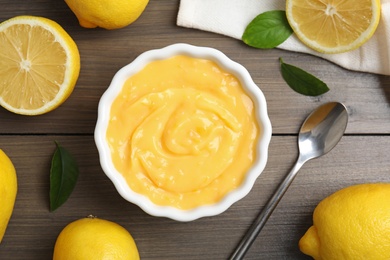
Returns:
(319, 134)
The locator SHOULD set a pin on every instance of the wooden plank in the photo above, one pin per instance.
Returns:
(104, 52)
(33, 229)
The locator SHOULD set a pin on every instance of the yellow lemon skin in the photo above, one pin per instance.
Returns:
(108, 14)
(352, 223)
(8, 190)
(97, 239)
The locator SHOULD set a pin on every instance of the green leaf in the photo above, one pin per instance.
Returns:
(267, 30)
(63, 177)
(302, 81)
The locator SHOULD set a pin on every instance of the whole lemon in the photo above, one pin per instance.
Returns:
(352, 223)
(108, 14)
(8, 190)
(97, 239)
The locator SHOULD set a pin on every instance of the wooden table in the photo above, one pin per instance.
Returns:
(361, 156)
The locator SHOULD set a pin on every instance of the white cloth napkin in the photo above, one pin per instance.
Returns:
(230, 18)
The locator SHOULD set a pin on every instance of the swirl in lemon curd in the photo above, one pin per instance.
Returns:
(183, 132)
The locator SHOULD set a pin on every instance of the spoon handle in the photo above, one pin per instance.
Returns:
(262, 218)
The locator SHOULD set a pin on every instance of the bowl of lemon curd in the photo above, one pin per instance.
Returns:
(183, 132)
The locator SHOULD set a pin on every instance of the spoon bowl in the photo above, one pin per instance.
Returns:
(319, 134)
(322, 130)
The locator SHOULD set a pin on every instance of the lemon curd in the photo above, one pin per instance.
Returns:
(183, 132)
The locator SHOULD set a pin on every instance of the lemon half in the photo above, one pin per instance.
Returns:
(39, 65)
(333, 26)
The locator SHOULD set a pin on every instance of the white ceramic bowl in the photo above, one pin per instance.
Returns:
(228, 65)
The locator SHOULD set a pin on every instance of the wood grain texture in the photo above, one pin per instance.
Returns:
(33, 229)
(361, 156)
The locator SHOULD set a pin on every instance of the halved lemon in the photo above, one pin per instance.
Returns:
(39, 65)
(333, 26)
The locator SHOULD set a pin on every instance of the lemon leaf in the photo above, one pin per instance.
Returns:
(64, 173)
(301, 81)
(267, 30)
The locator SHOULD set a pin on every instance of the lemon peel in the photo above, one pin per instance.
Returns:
(95, 238)
(352, 223)
(106, 13)
(8, 191)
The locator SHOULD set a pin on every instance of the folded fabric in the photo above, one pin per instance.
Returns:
(230, 18)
